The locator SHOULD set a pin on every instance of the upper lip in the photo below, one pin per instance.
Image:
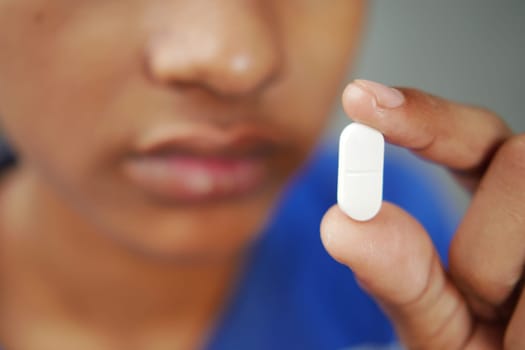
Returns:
(207, 140)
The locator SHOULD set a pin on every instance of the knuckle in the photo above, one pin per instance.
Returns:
(490, 118)
(496, 126)
(512, 153)
(426, 103)
(514, 339)
(515, 215)
(479, 279)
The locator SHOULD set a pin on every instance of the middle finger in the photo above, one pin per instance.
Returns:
(488, 251)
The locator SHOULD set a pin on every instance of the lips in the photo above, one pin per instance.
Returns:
(197, 164)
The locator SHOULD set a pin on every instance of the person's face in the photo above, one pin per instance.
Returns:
(171, 124)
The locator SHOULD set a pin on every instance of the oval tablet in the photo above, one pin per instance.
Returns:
(360, 174)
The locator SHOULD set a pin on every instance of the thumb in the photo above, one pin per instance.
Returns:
(394, 259)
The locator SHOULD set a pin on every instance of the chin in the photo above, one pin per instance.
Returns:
(192, 234)
(195, 245)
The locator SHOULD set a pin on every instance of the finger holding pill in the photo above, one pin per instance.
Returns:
(360, 174)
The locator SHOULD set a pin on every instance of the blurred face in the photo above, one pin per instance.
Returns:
(169, 125)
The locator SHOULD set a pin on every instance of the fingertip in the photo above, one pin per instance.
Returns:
(346, 239)
(398, 113)
(382, 251)
(358, 103)
(353, 92)
(334, 225)
(385, 96)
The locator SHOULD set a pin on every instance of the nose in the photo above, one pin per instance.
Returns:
(228, 47)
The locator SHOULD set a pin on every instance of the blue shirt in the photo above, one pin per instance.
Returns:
(293, 295)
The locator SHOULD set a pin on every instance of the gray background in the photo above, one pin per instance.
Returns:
(467, 50)
(470, 51)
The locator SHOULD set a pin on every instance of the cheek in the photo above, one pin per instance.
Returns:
(220, 230)
(58, 82)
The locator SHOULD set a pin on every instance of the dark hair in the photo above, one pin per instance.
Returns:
(7, 156)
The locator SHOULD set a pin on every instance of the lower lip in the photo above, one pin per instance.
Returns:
(184, 179)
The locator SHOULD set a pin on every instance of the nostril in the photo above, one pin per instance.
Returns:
(221, 60)
(223, 73)
(243, 74)
(166, 64)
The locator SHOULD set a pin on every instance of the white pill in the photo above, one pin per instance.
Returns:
(360, 177)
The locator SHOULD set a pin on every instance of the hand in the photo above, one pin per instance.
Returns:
(479, 303)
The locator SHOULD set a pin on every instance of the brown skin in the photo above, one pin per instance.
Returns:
(90, 262)
(82, 82)
(94, 76)
(479, 303)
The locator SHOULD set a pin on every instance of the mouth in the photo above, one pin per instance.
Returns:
(199, 164)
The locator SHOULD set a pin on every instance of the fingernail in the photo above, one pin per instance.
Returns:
(385, 96)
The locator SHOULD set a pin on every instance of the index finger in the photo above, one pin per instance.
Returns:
(460, 137)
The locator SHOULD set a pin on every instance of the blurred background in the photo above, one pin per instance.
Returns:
(470, 51)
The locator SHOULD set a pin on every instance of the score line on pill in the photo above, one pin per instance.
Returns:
(360, 173)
